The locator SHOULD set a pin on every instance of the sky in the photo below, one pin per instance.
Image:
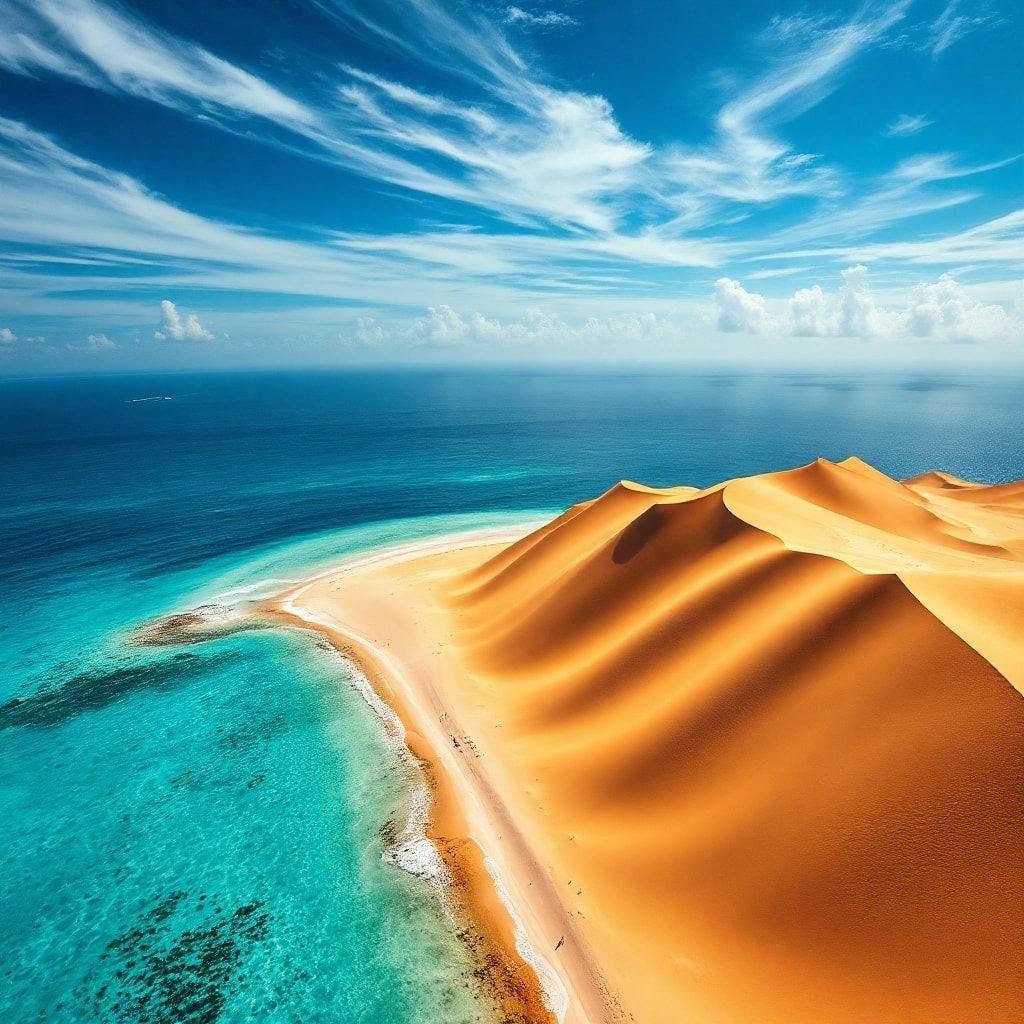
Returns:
(350, 182)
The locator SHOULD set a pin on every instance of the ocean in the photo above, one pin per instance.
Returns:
(194, 834)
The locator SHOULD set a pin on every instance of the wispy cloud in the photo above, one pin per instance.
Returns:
(105, 219)
(907, 190)
(1000, 240)
(548, 154)
(908, 124)
(102, 46)
(104, 216)
(746, 162)
(544, 191)
(535, 155)
(765, 275)
(543, 19)
(556, 156)
(465, 44)
(953, 23)
(488, 254)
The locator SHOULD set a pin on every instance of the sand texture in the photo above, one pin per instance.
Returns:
(755, 753)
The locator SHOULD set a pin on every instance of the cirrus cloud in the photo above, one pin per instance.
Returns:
(908, 124)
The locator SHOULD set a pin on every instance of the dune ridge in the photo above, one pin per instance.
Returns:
(765, 738)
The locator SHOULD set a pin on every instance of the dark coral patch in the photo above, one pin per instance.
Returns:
(178, 965)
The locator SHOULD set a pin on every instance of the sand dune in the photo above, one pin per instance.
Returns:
(765, 740)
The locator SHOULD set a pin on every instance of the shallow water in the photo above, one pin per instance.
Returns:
(193, 834)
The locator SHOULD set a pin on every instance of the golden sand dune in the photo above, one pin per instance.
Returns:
(764, 740)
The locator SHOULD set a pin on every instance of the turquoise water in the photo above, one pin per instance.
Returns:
(193, 833)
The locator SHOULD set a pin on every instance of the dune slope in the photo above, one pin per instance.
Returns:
(771, 739)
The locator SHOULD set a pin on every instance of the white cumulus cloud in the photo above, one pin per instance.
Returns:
(740, 311)
(810, 313)
(942, 309)
(174, 328)
(858, 317)
(849, 313)
(443, 326)
(99, 342)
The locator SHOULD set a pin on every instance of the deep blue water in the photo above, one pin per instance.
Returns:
(192, 834)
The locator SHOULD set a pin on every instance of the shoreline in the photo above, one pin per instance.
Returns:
(506, 899)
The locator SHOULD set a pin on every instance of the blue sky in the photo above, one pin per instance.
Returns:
(393, 181)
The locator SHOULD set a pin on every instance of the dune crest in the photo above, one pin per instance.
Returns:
(773, 730)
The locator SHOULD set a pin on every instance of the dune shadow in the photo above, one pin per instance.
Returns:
(634, 537)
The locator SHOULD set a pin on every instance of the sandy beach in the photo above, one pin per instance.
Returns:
(497, 880)
(750, 753)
